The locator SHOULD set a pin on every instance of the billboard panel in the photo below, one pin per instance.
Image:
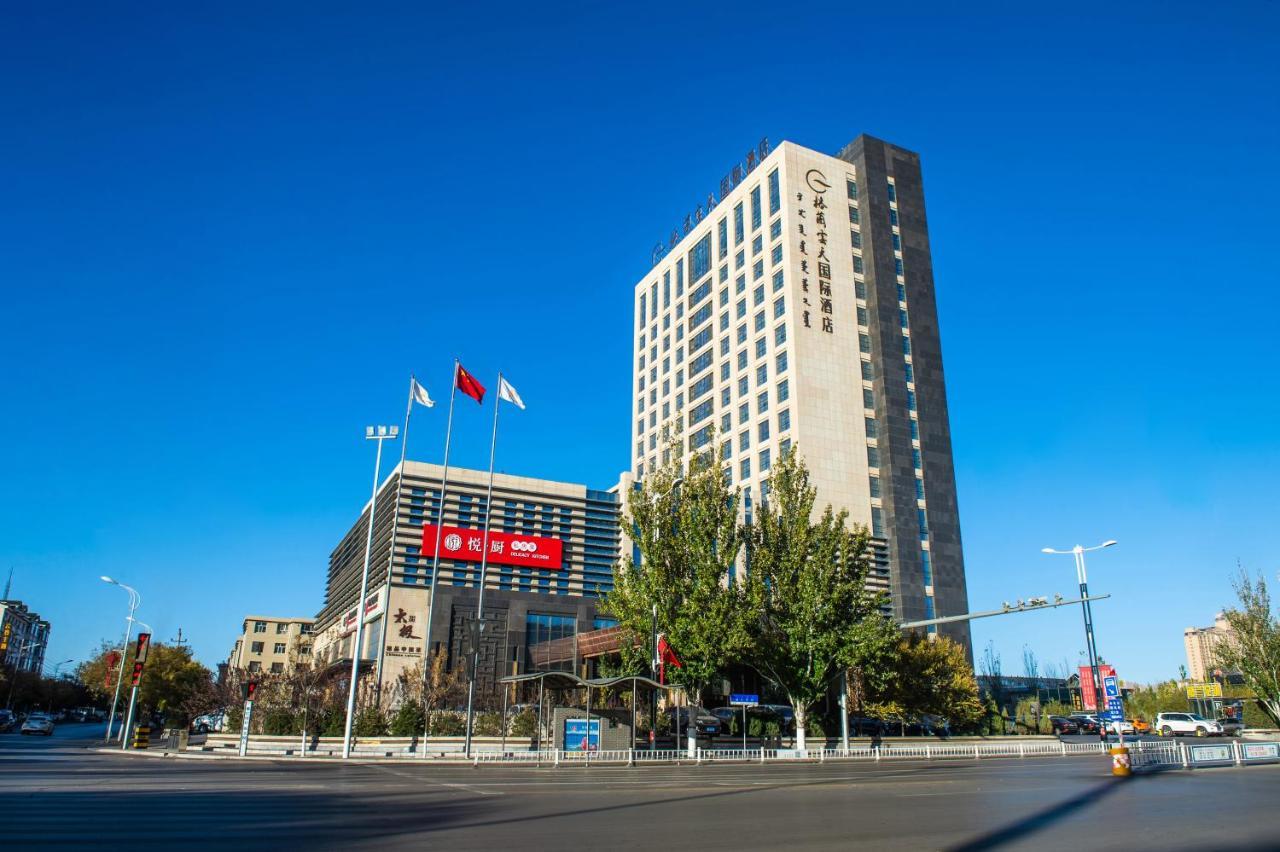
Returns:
(526, 551)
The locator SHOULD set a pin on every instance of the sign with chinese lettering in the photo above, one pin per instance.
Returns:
(1204, 690)
(1088, 689)
(812, 234)
(372, 609)
(504, 548)
(728, 183)
(1211, 754)
(1261, 751)
(579, 737)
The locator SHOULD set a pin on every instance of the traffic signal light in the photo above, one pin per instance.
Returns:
(144, 647)
(247, 689)
(137, 674)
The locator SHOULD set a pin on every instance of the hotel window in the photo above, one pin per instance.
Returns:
(738, 232)
(757, 270)
(857, 264)
(853, 215)
(680, 277)
(915, 430)
(724, 273)
(762, 431)
(897, 243)
(915, 459)
(653, 300)
(893, 218)
(742, 334)
(666, 321)
(724, 372)
(740, 310)
(862, 316)
(761, 347)
(897, 266)
(757, 296)
(744, 411)
(765, 460)
(906, 345)
(775, 228)
(724, 322)
(724, 297)
(873, 458)
(855, 239)
(902, 292)
(757, 245)
(924, 524)
(762, 401)
(784, 390)
(762, 374)
(759, 321)
(893, 194)
(784, 420)
(781, 365)
(724, 346)
(723, 229)
(868, 398)
(864, 343)
(919, 488)
(776, 255)
(740, 285)
(755, 208)
(739, 260)
(775, 193)
(726, 422)
(742, 360)
(744, 469)
(926, 565)
(877, 522)
(875, 486)
(666, 290)
(860, 290)
(743, 387)
(744, 441)
(724, 394)
(643, 305)
(780, 335)
(872, 432)
(911, 400)
(784, 446)
(911, 373)
(777, 281)
(546, 627)
(868, 374)
(851, 187)
(699, 260)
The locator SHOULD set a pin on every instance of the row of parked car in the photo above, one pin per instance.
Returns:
(42, 722)
(1165, 725)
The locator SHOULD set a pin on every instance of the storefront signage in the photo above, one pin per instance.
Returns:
(505, 548)
(1204, 690)
(728, 184)
(817, 308)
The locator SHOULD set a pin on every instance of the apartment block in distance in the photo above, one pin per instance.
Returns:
(795, 308)
(271, 644)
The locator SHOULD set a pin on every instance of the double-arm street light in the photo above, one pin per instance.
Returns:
(134, 600)
(379, 434)
(1078, 552)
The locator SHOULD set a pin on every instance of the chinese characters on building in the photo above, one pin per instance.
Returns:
(811, 228)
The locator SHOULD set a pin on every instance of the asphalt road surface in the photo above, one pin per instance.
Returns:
(56, 793)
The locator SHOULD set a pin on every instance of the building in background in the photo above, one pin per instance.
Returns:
(24, 637)
(271, 644)
(797, 309)
(1200, 643)
(553, 546)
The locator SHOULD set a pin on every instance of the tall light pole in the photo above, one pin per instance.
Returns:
(134, 600)
(379, 434)
(1078, 552)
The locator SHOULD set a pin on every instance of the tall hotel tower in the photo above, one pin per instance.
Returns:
(796, 308)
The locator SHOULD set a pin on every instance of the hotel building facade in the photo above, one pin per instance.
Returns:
(796, 309)
(553, 546)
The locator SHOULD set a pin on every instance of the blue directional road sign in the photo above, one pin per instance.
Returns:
(743, 700)
(1110, 686)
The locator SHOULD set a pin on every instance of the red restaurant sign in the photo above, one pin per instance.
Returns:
(526, 551)
(1088, 692)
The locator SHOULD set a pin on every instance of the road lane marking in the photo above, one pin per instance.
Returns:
(466, 787)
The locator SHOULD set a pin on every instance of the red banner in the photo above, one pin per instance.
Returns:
(1088, 692)
(526, 551)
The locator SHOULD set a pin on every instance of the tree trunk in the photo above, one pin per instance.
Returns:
(801, 713)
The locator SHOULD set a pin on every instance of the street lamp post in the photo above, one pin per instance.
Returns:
(379, 434)
(134, 600)
(1078, 552)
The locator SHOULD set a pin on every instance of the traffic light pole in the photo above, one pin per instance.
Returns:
(244, 728)
(128, 721)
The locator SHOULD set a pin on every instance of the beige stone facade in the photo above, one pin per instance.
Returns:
(272, 645)
(1200, 643)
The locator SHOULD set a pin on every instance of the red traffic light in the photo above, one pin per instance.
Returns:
(137, 674)
(247, 689)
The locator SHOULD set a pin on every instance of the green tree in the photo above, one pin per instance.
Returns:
(173, 684)
(930, 676)
(684, 521)
(805, 594)
(1253, 649)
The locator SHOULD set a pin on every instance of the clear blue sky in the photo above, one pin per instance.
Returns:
(227, 235)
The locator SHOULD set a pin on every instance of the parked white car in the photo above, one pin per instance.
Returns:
(1124, 728)
(38, 723)
(1177, 724)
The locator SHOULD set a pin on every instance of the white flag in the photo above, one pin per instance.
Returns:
(421, 396)
(507, 392)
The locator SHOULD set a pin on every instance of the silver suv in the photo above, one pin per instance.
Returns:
(1176, 724)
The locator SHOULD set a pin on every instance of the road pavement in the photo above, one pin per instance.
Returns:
(56, 793)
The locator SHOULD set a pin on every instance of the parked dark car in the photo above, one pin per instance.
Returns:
(785, 713)
(1086, 724)
(1064, 725)
(705, 724)
(865, 726)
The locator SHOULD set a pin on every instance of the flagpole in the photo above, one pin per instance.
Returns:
(484, 563)
(435, 560)
(391, 551)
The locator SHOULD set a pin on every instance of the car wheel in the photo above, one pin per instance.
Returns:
(1201, 732)
(1166, 731)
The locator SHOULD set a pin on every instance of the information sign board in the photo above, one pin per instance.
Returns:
(578, 737)
(743, 699)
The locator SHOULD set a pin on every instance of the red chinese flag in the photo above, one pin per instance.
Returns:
(666, 654)
(467, 384)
